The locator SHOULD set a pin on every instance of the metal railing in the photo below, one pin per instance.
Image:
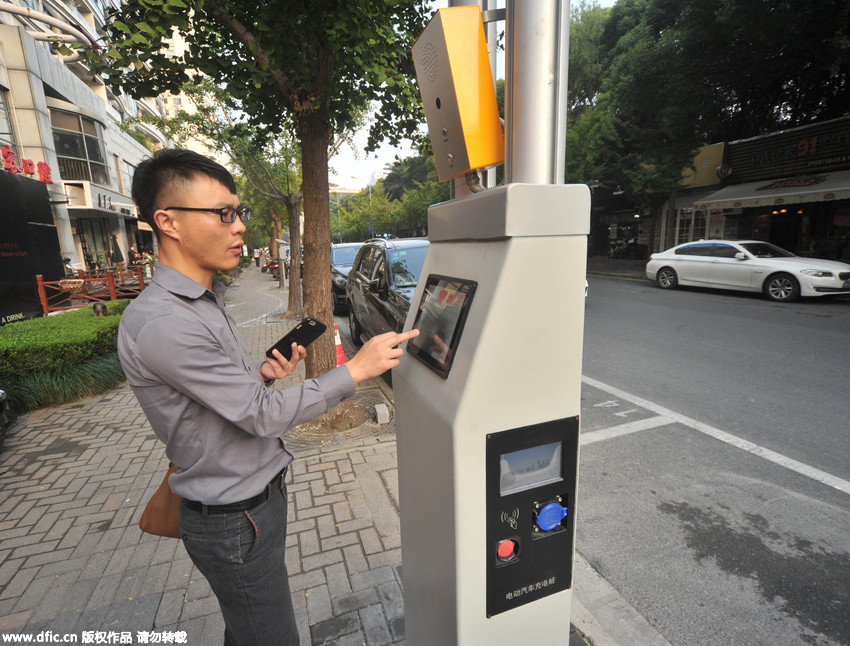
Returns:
(87, 287)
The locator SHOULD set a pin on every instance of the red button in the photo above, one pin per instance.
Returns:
(506, 549)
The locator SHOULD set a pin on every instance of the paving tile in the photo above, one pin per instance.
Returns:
(39, 547)
(48, 557)
(355, 561)
(170, 605)
(318, 604)
(178, 574)
(14, 621)
(388, 557)
(372, 578)
(63, 597)
(340, 540)
(334, 628)
(199, 608)
(322, 559)
(375, 626)
(309, 542)
(306, 580)
(355, 601)
(337, 578)
(19, 583)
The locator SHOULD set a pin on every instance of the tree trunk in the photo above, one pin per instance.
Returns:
(318, 301)
(293, 208)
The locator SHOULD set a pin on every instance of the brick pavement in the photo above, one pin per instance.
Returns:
(74, 480)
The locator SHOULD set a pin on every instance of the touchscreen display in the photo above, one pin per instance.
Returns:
(528, 468)
(439, 319)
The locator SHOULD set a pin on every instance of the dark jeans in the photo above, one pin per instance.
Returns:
(241, 554)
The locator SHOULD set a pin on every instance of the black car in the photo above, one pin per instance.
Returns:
(381, 284)
(342, 258)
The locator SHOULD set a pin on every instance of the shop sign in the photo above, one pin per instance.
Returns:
(793, 182)
(27, 167)
(105, 202)
(817, 147)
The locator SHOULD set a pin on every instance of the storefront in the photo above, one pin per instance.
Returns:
(98, 213)
(29, 245)
(790, 188)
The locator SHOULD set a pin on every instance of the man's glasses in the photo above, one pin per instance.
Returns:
(227, 214)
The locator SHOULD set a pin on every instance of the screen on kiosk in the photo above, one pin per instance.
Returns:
(530, 467)
(439, 319)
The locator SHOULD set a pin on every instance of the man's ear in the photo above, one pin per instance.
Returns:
(167, 224)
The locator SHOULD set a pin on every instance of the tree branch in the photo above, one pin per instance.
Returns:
(289, 92)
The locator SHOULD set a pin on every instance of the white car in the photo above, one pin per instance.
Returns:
(749, 266)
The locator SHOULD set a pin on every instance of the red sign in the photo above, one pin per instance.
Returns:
(28, 167)
(793, 182)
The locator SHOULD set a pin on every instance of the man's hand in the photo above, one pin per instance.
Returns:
(278, 367)
(378, 354)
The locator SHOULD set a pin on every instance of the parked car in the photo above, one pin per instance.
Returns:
(381, 284)
(342, 259)
(749, 266)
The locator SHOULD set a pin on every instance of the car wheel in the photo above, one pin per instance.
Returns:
(354, 327)
(782, 288)
(667, 278)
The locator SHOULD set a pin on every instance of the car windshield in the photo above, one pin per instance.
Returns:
(344, 255)
(406, 265)
(765, 250)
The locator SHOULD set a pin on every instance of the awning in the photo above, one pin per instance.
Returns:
(791, 190)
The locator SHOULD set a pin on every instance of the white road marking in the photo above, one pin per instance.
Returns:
(740, 443)
(624, 429)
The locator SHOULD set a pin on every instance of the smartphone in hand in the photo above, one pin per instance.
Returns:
(303, 334)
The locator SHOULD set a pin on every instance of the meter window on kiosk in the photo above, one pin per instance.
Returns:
(440, 318)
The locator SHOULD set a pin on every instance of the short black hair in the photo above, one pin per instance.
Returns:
(167, 167)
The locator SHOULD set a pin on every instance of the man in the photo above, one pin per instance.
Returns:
(209, 403)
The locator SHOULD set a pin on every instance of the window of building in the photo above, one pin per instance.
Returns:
(127, 171)
(79, 147)
(7, 138)
(698, 232)
(116, 170)
(683, 234)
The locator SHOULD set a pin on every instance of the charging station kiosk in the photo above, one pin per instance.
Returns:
(488, 395)
(487, 415)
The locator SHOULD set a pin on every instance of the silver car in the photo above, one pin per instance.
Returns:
(749, 266)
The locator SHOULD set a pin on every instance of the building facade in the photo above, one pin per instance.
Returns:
(791, 188)
(60, 126)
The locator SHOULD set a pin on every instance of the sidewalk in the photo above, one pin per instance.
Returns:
(619, 268)
(74, 480)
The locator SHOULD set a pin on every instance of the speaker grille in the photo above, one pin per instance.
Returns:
(430, 62)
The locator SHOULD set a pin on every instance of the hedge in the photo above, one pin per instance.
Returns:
(57, 359)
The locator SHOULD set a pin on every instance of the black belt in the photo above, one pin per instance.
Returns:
(242, 505)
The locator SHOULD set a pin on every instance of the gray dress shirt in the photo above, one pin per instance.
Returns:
(205, 397)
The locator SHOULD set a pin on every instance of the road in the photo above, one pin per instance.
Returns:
(714, 488)
(717, 497)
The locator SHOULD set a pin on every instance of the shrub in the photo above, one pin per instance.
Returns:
(63, 384)
(55, 359)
